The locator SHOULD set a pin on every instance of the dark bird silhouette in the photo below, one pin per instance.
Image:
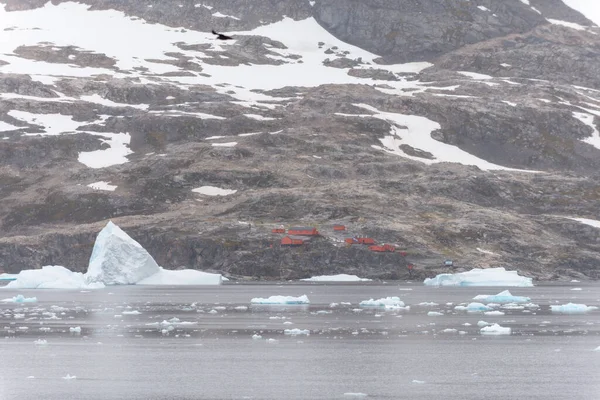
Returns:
(220, 36)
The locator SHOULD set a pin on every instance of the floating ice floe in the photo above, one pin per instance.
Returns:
(482, 324)
(481, 277)
(572, 308)
(434, 314)
(597, 348)
(428, 304)
(69, 377)
(355, 394)
(20, 299)
(76, 330)
(281, 300)
(256, 337)
(502, 297)
(52, 277)
(296, 332)
(40, 342)
(494, 313)
(387, 302)
(495, 329)
(336, 278)
(181, 277)
(473, 307)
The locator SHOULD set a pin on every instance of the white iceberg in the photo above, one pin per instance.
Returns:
(473, 307)
(481, 277)
(502, 298)
(281, 300)
(117, 259)
(494, 313)
(572, 308)
(52, 277)
(181, 277)
(392, 302)
(434, 314)
(20, 299)
(296, 332)
(336, 278)
(495, 330)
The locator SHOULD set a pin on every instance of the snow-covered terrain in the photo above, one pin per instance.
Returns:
(480, 277)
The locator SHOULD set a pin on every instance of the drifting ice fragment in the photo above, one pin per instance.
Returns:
(69, 377)
(336, 278)
(495, 330)
(357, 394)
(502, 298)
(181, 277)
(76, 330)
(281, 300)
(481, 324)
(571, 308)
(480, 277)
(296, 331)
(597, 348)
(383, 302)
(20, 299)
(473, 307)
(117, 259)
(434, 314)
(494, 313)
(417, 381)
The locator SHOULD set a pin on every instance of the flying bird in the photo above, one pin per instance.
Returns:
(220, 36)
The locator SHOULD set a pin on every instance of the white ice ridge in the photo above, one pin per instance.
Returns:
(182, 277)
(281, 300)
(336, 278)
(387, 302)
(481, 277)
(495, 329)
(20, 299)
(51, 277)
(571, 308)
(502, 298)
(117, 259)
(415, 131)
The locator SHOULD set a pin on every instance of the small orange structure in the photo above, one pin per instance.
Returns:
(278, 230)
(339, 227)
(288, 241)
(351, 240)
(383, 249)
(366, 240)
(303, 231)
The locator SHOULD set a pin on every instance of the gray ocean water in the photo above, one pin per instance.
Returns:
(209, 352)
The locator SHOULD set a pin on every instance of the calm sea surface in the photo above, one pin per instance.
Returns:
(197, 343)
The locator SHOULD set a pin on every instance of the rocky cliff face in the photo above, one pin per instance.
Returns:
(484, 149)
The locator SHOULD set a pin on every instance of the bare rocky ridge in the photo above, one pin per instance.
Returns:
(318, 155)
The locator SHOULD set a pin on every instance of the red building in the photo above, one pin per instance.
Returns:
(339, 228)
(288, 241)
(303, 231)
(365, 240)
(383, 249)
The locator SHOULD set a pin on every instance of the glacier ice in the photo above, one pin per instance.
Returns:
(181, 277)
(8, 277)
(20, 299)
(502, 298)
(336, 278)
(480, 277)
(52, 277)
(281, 300)
(495, 329)
(571, 308)
(434, 314)
(117, 259)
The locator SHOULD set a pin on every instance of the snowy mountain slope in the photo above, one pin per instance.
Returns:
(475, 140)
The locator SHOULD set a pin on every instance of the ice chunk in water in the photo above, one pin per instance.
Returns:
(281, 300)
(502, 298)
(495, 330)
(383, 302)
(296, 331)
(480, 277)
(473, 307)
(51, 277)
(571, 308)
(20, 299)
(336, 278)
